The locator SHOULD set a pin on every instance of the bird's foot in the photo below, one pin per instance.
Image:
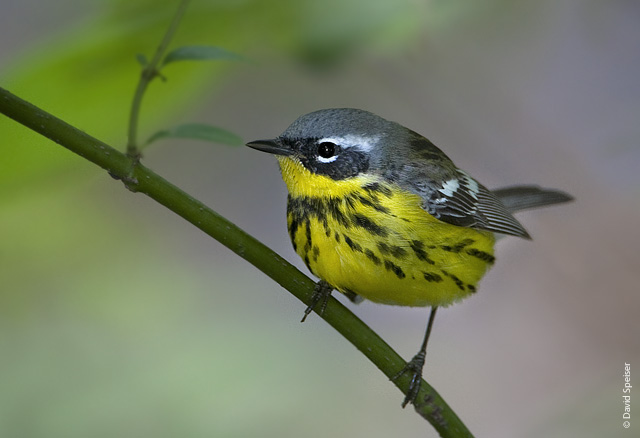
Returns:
(414, 366)
(321, 294)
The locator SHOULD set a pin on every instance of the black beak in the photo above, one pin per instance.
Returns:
(271, 146)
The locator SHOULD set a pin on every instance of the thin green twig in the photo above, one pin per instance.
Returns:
(150, 72)
(428, 404)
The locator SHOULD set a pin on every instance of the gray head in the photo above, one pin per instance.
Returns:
(339, 142)
(339, 122)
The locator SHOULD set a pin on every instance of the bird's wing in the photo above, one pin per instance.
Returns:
(463, 201)
(451, 195)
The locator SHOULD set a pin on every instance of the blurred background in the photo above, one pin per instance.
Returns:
(117, 318)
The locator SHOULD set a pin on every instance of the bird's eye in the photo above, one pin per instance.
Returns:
(326, 149)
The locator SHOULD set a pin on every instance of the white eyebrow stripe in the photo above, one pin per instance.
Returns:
(364, 144)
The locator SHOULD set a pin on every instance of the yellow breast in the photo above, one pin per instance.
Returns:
(366, 236)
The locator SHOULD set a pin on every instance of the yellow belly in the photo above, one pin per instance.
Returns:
(368, 237)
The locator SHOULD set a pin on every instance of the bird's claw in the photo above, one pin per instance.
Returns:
(321, 293)
(414, 366)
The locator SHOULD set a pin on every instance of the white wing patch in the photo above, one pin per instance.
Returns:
(471, 184)
(449, 187)
(464, 202)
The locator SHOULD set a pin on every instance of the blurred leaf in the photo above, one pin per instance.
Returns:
(87, 77)
(198, 131)
(142, 59)
(200, 53)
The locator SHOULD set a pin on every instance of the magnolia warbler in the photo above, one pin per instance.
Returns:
(378, 212)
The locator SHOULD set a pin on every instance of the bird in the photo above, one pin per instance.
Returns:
(376, 211)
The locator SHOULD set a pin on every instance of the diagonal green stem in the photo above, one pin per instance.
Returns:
(149, 72)
(428, 403)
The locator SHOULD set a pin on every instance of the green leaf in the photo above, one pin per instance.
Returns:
(198, 131)
(200, 53)
(142, 59)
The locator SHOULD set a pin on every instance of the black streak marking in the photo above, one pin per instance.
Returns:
(458, 282)
(455, 279)
(471, 288)
(458, 246)
(325, 224)
(333, 204)
(308, 245)
(362, 221)
(372, 256)
(373, 203)
(337, 236)
(305, 207)
(301, 210)
(393, 250)
(377, 188)
(353, 245)
(418, 247)
(482, 255)
(390, 266)
(350, 202)
(316, 253)
(293, 229)
(432, 276)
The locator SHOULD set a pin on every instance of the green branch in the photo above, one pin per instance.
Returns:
(138, 178)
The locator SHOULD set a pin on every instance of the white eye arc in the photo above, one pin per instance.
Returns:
(327, 160)
(327, 150)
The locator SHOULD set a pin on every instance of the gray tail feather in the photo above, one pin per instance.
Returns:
(518, 198)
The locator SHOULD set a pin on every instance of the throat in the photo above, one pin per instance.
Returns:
(303, 183)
